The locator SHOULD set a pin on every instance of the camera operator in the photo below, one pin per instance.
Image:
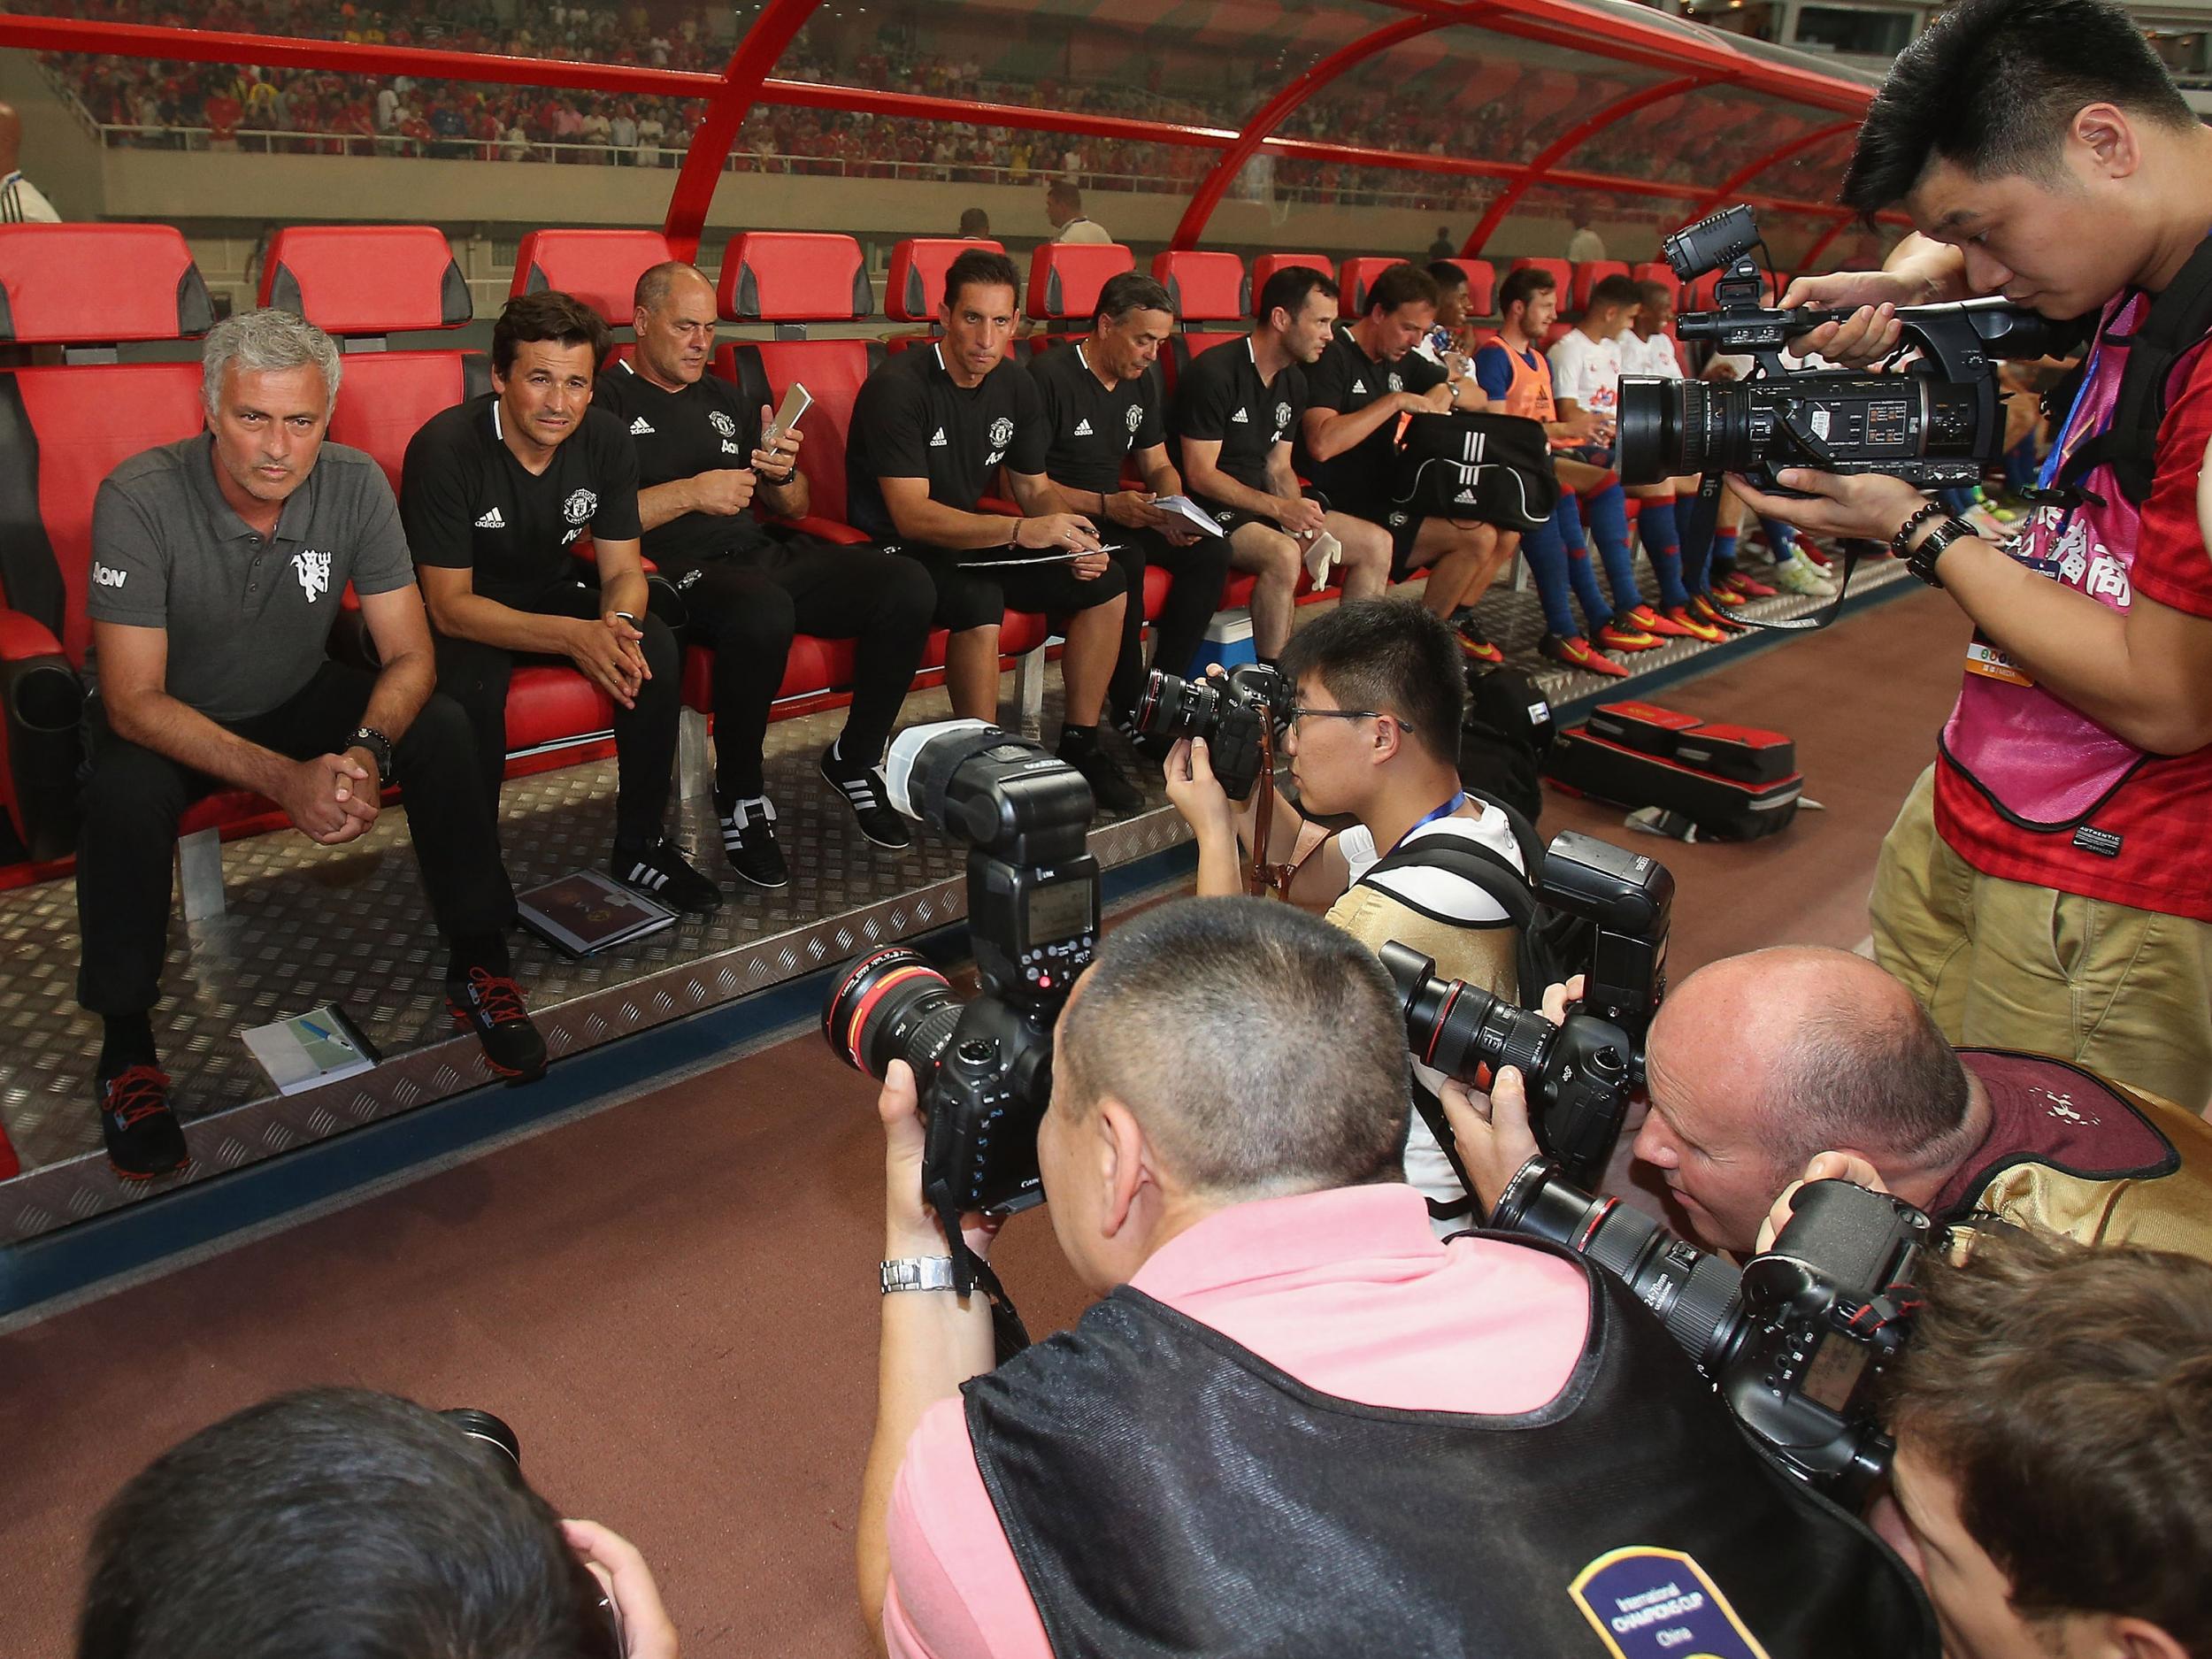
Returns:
(1755, 1063)
(339, 1521)
(1381, 695)
(1227, 1180)
(2052, 1484)
(2049, 880)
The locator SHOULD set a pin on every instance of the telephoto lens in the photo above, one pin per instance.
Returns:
(1231, 714)
(892, 1005)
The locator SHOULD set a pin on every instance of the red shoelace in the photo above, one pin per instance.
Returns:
(498, 996)
(138, 1092)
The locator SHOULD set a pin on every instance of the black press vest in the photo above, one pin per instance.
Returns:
(1169, 1493)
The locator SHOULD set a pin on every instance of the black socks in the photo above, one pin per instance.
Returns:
(127, 1040)
(487, 951)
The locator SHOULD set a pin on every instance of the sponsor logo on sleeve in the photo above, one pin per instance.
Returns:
(105, 576)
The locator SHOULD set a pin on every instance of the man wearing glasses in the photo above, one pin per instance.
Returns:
(1381, 692)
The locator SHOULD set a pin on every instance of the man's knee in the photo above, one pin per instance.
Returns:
(1269, 555)
(756, 620)
(440, 743)
(907, 594)
(123, 780)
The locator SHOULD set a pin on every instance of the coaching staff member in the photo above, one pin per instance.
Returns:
(703, 479)
(494, 492)
(930, 430)
(1298, 1424)
(1102, 402)
(217, 567)
(2049, 884)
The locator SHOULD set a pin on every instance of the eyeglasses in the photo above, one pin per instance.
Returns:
(1297, 714)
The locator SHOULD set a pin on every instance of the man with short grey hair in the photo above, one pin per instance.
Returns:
(218, 567)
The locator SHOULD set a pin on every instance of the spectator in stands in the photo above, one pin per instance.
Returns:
(21, 201)
(1181, 1473)
(217, 567)
(2049, 880)
(929, 432)
(1586, 376)
(1586, 246)
(1236, 409)
(1443, 247)
(1757, 1064)
(1101, 402)
(495, 492)
(339, 1521)
(1381, 697)
(1063, 206)
(1364, 382)
(727, 583)
(2053, 1414)
(1516, 376)
(975, 223)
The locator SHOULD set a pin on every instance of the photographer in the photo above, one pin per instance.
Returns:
(1755, 1063)
(339, 1521)
(2048, 883)
(1228, 1185)
(1381, 693)
(2053, 1478)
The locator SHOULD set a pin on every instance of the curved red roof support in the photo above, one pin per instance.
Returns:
(1745, 174)
(710, 145)
(1573, 139)
(1269, 115)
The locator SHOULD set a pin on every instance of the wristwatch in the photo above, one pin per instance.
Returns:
(379, 747)
(1922, 560)
(918, 1273)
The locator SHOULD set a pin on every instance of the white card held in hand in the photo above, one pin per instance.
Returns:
(1189, 508)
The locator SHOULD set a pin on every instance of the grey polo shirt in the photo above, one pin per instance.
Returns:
(248, 618)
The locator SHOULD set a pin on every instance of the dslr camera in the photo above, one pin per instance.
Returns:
(983, 1067)
(1940, 423)
(1580, 1074)
(1795, 1341)
(1233, 713)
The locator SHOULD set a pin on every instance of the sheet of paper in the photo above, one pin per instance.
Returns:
(1062, 557)
(1189, 509)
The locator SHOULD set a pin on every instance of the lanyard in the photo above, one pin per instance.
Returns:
(1446, 811)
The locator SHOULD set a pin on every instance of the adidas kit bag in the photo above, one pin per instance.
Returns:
(1492, 469)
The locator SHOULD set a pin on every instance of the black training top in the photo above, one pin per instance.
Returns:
(468, 504)
(703, 428)
(1221, 396)
(1345, 379)
(1093, 427)
(912, 421)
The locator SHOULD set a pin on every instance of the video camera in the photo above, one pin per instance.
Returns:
(1795, 1341)
(984, 1067)
(1939, 424)
(1231, 713)
(1579, 1074)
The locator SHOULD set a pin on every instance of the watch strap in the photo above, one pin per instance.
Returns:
(1922, 560)
(917, 1273)
(377, 745)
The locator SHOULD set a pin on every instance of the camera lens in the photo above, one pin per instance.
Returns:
(1652, 411)
(1172, 708)
(892, 1005)
(482, 1425)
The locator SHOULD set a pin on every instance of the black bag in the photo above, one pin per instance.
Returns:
(1490, 468)
(1507, 731)
(2178, 316)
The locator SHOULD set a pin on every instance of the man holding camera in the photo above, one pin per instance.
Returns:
(1101, 402)
(1756, 1064)
(1228, 1185)
(1374, 735)
(2048, 883)
(929, 431)
(1359, 391)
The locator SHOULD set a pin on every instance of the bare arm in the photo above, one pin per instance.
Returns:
(1329, 433)
(1202, 468)
(919, 518)
(1158, 472)
(459, 611)
(410, 671)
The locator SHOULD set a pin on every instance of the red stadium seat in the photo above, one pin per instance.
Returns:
(795, 277)
(63, 429)
(1356, 278)
(1203, 288)
(1562, 275)
(1698, 296)
(1589, 274)
(600, 267)
(1064, 278)
(361, 282)
(916, 285)
(1268, 263)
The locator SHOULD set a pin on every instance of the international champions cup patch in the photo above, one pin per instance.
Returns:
(1649, 1603)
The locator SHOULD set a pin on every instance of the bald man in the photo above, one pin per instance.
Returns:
(20, 201)
(1757, 1064)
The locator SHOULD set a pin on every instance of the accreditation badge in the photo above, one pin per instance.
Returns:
(1647, 1603)
(1986, 660)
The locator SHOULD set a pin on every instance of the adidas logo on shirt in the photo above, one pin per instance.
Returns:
(1242, 419)
(491, 521)
(1359, 386)
(1083, 429)
(641, 427)
(937, 440)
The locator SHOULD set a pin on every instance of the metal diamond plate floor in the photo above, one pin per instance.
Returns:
(302, 926)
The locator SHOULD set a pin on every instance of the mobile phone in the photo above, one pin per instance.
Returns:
(796, 402)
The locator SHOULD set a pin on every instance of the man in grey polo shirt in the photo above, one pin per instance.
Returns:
(218, 567)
